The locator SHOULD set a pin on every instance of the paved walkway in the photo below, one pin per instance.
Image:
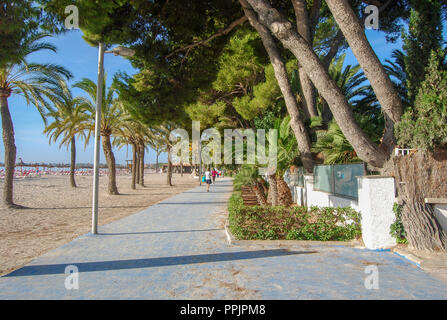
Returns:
(177, 250)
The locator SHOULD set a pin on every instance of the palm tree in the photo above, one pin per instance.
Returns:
(25, 79)
(287, 154)
(162, 133)
(397, 71)
(248, 176)
(133, 132)
(70, 120)
(111, 121)
(157, 144)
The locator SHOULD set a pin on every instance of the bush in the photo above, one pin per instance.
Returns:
(397, 228)
(424, 125)
(295, 223)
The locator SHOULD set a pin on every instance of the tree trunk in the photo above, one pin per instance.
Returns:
(110, 158)
(156, 162)
(169, 173)
(420, 176)
(375, 72)
(284, 194)
(10, 150)
(134, 167)
(304, 29)
(141, 159)
(273, 189)
(343, 114)
(181, 168)
(137, 164)
(260, 195)
(73, 162)
(297, 125)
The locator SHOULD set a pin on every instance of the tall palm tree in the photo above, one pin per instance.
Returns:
(70, 120)
(134, 133)
(27, 80)
(111, 121)
(162, 132)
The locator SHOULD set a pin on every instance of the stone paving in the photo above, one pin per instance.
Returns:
(177, 249)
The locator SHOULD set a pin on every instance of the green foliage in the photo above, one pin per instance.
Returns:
(296, 223)
(241, 62)
(425, 125)
(19, 21)
(397, 228)
(336, 148)
(424, 35)
(247, 176)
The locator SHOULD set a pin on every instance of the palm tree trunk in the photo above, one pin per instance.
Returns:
(260, 194)
(10, 150)
(110, 158)
(273, 189)
(181, 168)
(169, 173)
(375, 72)
(284, 194)
(156, 162)
(134, 166)
(73, 162)
(137, 163)
(141, 159)
(301, 134)
(343, 114)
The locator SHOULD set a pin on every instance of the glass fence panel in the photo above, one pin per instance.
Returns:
(345, 179)
(323, 178)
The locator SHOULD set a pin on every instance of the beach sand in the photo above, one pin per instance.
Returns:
(58, 213)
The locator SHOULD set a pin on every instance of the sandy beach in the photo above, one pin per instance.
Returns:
(58, 213)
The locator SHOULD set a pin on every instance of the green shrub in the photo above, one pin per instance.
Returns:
(424, 125)
(295, 223)
(397, 228)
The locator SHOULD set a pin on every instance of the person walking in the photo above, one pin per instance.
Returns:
(208, 180)
(213, 175)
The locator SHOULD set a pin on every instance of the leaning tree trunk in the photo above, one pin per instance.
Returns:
(10, 149)
(110, 158)
(375, 72)
(169, 173)
(304, 29)
(73, 162)
(420, 176)
(342, 111)
(141, 161)
(273, 189)
(284, 194)
(296, 123)
(134, 167)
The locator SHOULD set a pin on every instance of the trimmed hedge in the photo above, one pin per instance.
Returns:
(294, 223)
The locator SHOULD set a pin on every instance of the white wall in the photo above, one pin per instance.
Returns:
(375, 203)
(441, 215)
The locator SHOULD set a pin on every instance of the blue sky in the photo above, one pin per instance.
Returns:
(81, 59)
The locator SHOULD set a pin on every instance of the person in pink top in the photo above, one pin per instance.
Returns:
(213, 175)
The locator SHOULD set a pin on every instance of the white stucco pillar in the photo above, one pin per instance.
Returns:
(376, 201)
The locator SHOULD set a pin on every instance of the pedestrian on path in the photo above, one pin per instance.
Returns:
(213, 175)
(208, 180)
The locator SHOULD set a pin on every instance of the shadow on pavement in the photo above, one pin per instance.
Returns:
(36, 270)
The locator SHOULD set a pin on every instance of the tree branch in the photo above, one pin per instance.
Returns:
(219, 33)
